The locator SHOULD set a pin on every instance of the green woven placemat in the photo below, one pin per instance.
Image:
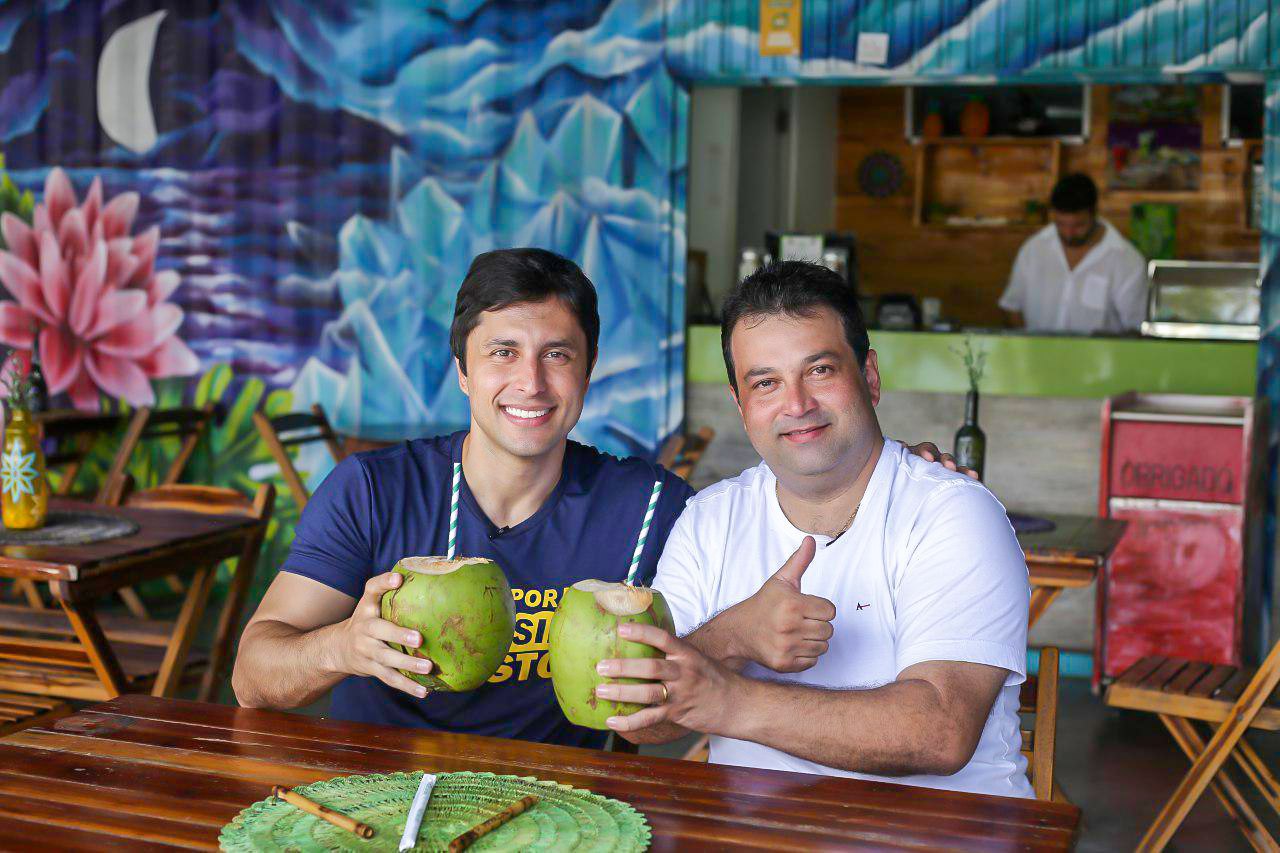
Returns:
(564, 819)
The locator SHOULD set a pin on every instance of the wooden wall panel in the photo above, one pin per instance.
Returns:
(967, 269)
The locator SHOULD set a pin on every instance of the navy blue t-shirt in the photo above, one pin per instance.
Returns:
(377, 507)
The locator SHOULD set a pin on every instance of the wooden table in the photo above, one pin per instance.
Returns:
(1069, 556)
(83, 664)
(141, 773)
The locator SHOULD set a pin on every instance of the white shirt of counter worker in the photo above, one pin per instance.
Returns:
(1106, 292)
(929, 571)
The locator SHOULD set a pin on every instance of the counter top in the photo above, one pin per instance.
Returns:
(1027, 365)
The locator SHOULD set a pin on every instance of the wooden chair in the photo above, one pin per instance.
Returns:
(1230, 700)
(215, 501)
(291, 430)
(41, 651)
(188, 426)
(1038, 697)
(185, 424)
(19, 711)
(681, 453)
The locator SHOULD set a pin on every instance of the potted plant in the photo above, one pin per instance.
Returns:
(971, 441)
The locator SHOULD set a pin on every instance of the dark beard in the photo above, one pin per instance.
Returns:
(1082, 241)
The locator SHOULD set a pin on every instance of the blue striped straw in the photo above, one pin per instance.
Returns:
(644, 531)
(453, 509)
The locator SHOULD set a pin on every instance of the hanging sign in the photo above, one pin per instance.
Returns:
(780, 27)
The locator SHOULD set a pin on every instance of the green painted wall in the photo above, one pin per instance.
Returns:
(1030, 366)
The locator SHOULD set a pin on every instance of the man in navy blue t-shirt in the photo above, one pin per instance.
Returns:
(550, 511)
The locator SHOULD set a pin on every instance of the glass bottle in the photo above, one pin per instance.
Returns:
(971, 441)
(39, 399)
(24, 486)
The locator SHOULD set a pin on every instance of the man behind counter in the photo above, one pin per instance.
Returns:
(1077, 274)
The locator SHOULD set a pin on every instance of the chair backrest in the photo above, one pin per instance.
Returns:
(188, 425)
(68, 437)
(670, 450)
(117, 480)
(1039, 699)
(212, 500)
(292, 430)
(691, 453)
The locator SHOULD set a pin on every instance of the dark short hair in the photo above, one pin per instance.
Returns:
(506, 277)
(1074, 193)
(798, 288)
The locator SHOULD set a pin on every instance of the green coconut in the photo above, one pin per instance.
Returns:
(465, 613)
(584, 631)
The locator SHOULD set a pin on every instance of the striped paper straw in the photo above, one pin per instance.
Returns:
(453, 508)
(644, 531)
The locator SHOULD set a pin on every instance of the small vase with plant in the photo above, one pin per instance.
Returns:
(24, 484)
(971, 441)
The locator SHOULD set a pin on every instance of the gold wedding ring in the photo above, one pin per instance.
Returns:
(665, 693)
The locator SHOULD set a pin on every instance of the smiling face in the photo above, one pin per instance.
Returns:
(527, 374)
(807, 407)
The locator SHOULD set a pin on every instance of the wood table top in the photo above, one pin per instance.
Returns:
(1075, 539)
(159, 531)
(141, 773)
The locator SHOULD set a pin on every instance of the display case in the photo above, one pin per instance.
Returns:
(1203, 299)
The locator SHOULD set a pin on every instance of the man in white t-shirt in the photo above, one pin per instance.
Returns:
(1077, 274)
(891, 641)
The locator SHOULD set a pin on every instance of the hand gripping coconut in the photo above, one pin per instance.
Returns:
(462, 608)
(465, 613)
(584, 631)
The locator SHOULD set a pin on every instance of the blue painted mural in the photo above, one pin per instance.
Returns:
(309, 181)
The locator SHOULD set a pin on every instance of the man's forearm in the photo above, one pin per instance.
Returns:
(717, 638)
(280, 667)
(900, 729)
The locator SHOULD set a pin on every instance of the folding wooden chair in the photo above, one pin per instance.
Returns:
(215, 501)
(681, 453)
(42, 652)
(188, 426)
(1039, 699)
(19, 711)
(292, 430)
(1230, 700)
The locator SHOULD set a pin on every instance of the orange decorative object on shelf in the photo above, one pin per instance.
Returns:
(931, 127)
(975, 118)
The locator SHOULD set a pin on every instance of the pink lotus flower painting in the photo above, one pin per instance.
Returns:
(91, 288)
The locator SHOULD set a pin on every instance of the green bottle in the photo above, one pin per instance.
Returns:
(971, 441)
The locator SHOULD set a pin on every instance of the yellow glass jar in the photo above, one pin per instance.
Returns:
(24, 486)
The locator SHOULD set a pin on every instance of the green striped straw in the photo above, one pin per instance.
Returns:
(644, 531)
(453, 508)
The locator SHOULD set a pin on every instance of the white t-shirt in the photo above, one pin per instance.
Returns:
(1106, 292)
(930, 570)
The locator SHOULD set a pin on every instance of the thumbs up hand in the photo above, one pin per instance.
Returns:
(780, 627)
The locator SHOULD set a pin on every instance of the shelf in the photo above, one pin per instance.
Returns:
(1008, 226)
(1052, 147)
(965, 142)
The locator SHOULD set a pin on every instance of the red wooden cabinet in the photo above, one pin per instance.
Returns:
(1185, 579)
